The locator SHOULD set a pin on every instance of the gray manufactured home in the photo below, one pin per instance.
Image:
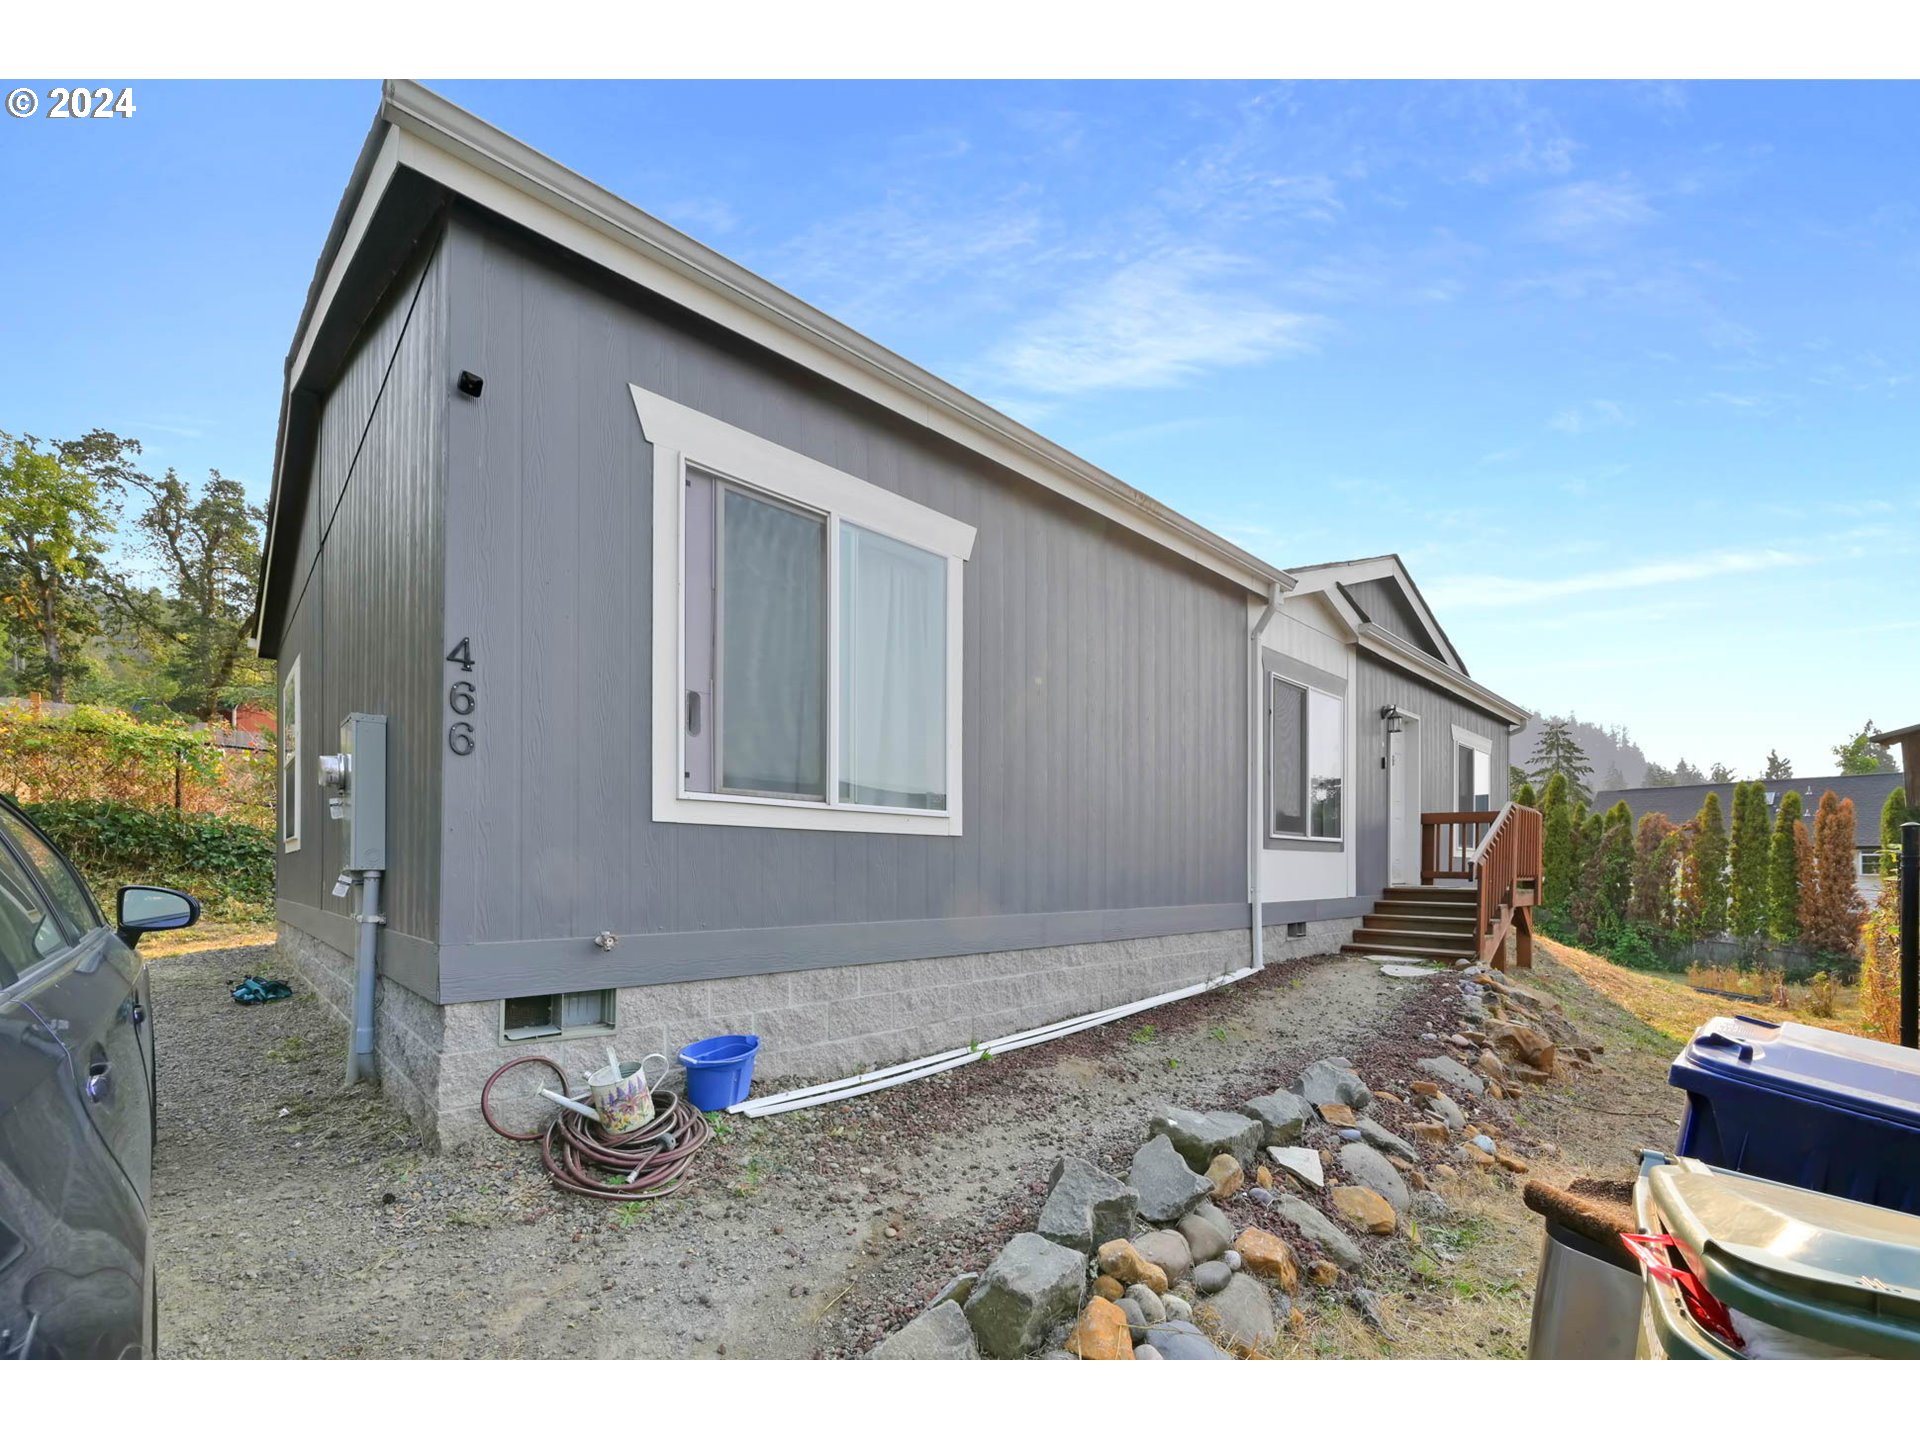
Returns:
(740, 676)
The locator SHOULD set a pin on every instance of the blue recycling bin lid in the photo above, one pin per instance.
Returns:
(1804, 1062)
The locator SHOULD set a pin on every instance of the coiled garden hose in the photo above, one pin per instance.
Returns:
(582, 1157)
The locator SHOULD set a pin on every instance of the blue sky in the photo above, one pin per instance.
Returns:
(1629, 374)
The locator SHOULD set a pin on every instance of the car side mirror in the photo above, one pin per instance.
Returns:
(154, 907)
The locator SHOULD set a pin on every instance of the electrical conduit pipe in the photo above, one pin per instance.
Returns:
(366, 957)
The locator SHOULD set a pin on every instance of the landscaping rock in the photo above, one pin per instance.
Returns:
(1182, 1340)
(1507, 1160)
(1126, 1265)
(1332, 1082)
(1425, 1205)
(1475, 1157)
(1383, 1139)
(1108, 1288)
(1167, 1188)
(1522, 1043)
(1365, 1210)
(1211, 1276)
(1198, 1138)
(1338, 1245)
(1226, 1177)
(1447, 1111)
(1168, 1249)
(1366, 1166)
(1208, 1233)
(1031, 1286)
(1282, 1116)
(1269, 1257)
(1429, 1132)
(1451, 1072)
(1424, 1087)
(1086, 1207)
(1234, 1259)
(1152, 1308)
(1323, 1272)
(1262, 1178)
(1241, 1314)
(1339, 1116)
(942, 1333)
(1102, 1333)
(1300, 1162)
(1147, 1352)
(1262, 1194)
(1136, 1320)
(958, 1289)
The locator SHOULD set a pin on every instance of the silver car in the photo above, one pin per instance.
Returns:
(76, 1106)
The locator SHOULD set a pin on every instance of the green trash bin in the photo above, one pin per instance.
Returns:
(1801, 1274)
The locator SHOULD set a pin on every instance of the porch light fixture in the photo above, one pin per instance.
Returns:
(1391, 714)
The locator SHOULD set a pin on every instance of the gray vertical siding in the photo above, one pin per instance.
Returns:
(1390, 609)
(363, 616)
(1381, 684)
(1104, 680)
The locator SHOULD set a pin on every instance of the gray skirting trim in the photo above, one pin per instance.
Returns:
(1345, 907)
(522, 967)
(404, 959)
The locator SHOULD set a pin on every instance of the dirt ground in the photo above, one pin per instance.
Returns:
(293, 1217)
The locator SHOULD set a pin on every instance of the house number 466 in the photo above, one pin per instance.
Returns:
(462, 700)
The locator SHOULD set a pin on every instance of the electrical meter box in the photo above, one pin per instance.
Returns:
(356, 785)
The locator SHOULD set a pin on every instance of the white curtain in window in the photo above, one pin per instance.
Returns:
(773, 649)
(893, 673)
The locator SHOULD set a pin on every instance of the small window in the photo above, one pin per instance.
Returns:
(290, 758)
(538, 1017)
(1869, 862)
(1306, 734)
(1296, 929)
(1473, 771)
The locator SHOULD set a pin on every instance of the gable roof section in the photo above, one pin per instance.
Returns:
(419, 136)
(1384, 575)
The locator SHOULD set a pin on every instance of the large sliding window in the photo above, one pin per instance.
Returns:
(817, 657)
(1306, 761)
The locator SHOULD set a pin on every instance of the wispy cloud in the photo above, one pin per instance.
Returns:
(1154, 322)
(1481, 592)
(1588, 213)
(1592, 415)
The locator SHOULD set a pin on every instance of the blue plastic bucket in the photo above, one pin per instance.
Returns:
(719, 1070)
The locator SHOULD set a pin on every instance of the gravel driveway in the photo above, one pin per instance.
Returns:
(294, 1217)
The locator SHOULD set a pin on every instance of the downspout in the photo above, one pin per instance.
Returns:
(1256, 844)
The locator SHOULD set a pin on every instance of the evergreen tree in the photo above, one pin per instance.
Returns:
(1584, 902)
(1523, 795)
(1516, 777)
(1831, 912)
(1558, 753)
(1778, 767)
(1658, 775)
(1718, 774)
(1709, 860)
(1688, 773)
(1783, 871)
(1747, 862)
(1893, 815)
(1557, 845)
(1652, 881)
(1669, 862)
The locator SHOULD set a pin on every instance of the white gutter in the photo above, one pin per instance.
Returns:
(1410, 657)
(1256, 830)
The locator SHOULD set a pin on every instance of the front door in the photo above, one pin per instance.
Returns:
(1403, 804)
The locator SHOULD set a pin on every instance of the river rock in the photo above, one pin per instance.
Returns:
(1086, 1207)
(1383, 1139)
(1147, 1352)
(1168, 1249)
(1031, 1286)
(1152, 1308)
(1338, 1245)
(1208, 1233)
(1125, 1264)
(1282, 1116)
(1300, 1162)
(1200, 1137)
(1451, 1072)
(1136, 1320)
(1167, 1187)
(1184, 1340)
(1178, 1306)
(941, 1333)
(1366, 1166)
(1447, 1111)
(1210, 1276)
(1241, 1314)
(1226, 1177)
(1365, 1210)
(1426, 1205)
(1269, 1257)
(1102, 1333)
(1332, 1082)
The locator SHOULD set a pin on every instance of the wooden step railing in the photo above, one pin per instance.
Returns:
(1499, 851)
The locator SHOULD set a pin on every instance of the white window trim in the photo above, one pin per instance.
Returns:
(682, 437)
(1274, 677)
(290, 756)
(1473, 741)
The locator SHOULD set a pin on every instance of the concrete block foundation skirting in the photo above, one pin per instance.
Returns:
(813, 1024)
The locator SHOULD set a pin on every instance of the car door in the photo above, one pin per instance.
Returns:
(75, 1265)
(94, 998)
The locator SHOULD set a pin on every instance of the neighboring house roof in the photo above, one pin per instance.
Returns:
(1378, 602)
(1680, 803)
(419, 136)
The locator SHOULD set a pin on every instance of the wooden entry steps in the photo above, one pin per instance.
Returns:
(1420, 922)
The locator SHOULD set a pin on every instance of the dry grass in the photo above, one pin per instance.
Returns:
(207, 935)
(1674, 1008)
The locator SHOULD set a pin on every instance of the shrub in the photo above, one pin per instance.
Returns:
(1783, 871)
(1821, 995)
(1830, 907)
(224, 863)
(93, 753)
